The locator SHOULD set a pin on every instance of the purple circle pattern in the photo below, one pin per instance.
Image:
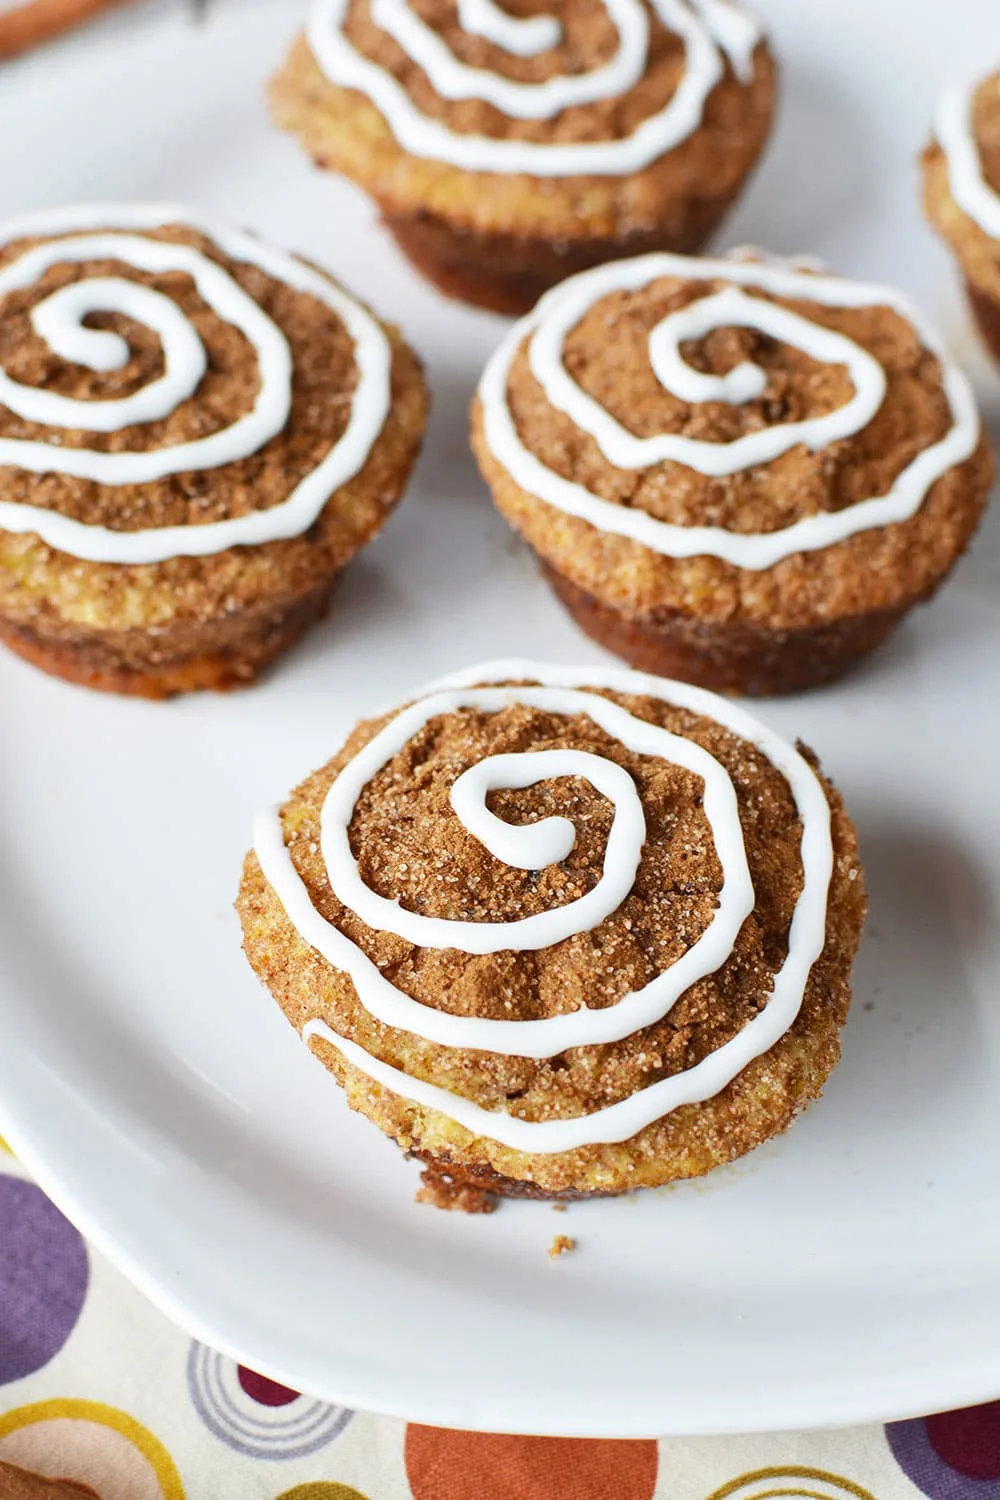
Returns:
(43, 1279)
(292, 1430)
(922, 1464)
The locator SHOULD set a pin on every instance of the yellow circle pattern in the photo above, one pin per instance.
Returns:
(790, 1484)
(139, 1436)
(321, 1489)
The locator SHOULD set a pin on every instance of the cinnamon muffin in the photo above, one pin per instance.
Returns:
(738, 472)
(962, 194)
(507, 148)
(197, 433)
(563, 931)
(21, 1484)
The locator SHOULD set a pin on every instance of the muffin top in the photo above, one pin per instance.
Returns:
(552, 903)
(967, 132)
(732, 436)
(595, 89)
(171, 389)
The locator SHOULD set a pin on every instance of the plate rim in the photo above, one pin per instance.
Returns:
(802, 1405)
(43, 1142)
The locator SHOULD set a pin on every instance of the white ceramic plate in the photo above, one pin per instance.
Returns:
(848, 1271)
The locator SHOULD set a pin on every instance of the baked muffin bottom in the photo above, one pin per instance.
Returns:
(986, 311)
(209, 623)
(771, 1093)
(802, 623)
(183, 658)
(508, 273)
(760, 1103)
(741, 657)
(501, 240)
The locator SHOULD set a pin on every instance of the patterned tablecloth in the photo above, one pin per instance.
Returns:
(98, 1386)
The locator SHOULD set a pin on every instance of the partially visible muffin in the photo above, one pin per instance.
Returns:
(197, 434)
(22, 1484)
(507, 149)
(738, 472)
(562, 931)
(962, 194)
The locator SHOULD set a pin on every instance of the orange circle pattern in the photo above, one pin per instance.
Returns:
(443, 1465)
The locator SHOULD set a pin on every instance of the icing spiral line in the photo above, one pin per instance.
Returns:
(58, 319)
(955, 130)
(711, 30)
(624, 850)
(521, 36)
(548, 326)
(568, 692)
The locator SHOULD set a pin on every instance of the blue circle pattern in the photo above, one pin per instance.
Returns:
(295, 1430)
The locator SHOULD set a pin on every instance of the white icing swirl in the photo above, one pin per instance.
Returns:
(58, 319)
(711, 30)
(560, 310)
(563, 691)
(955, 131)
(521, 36)
(624, 850)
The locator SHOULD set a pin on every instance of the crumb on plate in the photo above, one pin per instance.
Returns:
(441, 1191)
